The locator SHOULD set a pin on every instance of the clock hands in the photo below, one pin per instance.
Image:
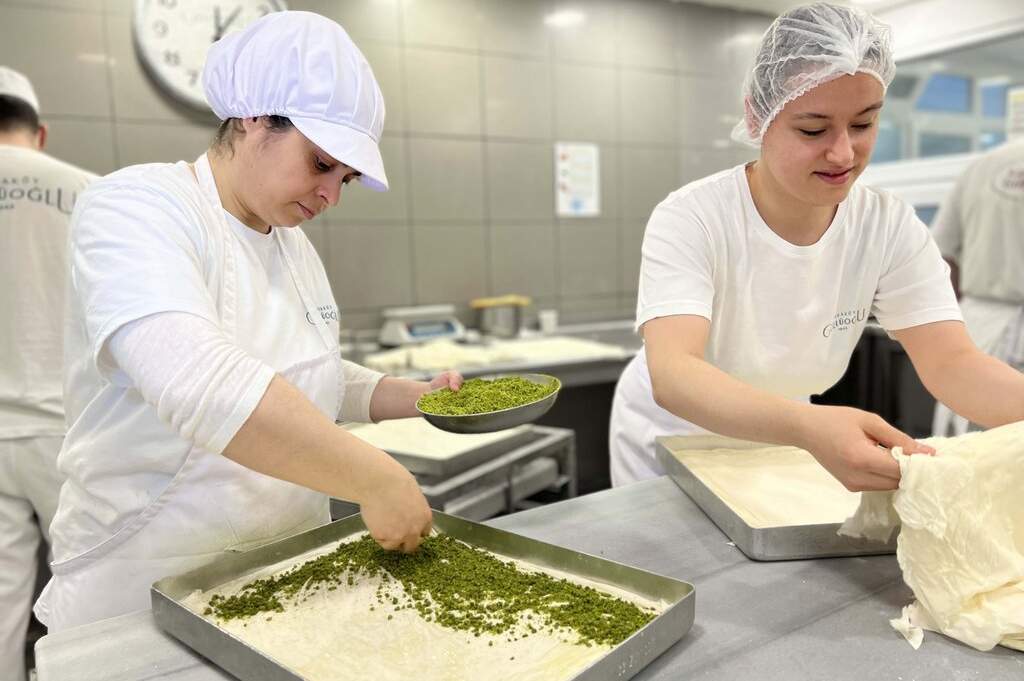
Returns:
(220, 28)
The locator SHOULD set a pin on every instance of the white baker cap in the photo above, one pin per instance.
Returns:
(303, 66)
(14, 84)
(807, 47)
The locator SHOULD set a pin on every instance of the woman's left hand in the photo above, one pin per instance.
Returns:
(447, 379)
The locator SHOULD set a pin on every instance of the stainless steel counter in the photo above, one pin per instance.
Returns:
(784, 621)
(571, 372)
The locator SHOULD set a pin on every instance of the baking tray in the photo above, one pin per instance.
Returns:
(249, 664)
(790, 542)
(445, 466)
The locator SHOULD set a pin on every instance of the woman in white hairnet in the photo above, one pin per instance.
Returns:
(756, 282)
(203, 377)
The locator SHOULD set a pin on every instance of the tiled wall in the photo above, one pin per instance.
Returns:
(477, 93)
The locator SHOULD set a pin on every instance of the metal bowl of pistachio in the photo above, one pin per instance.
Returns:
(490, 403)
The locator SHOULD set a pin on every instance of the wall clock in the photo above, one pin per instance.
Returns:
(172, 36)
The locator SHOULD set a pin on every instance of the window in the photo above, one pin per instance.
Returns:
(926, 213)
(938, 144)
(946, 92)
(990, 138)
(889, 145)
(993, 101)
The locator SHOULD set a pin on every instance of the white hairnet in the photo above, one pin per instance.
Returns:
(807, 47)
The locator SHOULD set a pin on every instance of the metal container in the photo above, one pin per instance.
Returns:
(501, 321)
(498, 420)
(761, 543)
(250, 664)
(501, 316)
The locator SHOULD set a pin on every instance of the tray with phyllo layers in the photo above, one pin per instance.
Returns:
(472, 602)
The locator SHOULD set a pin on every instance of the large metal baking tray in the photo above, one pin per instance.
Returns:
(249, 664)
(760, 543)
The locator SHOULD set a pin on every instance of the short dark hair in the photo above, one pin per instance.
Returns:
(231, 127)
(16, 113)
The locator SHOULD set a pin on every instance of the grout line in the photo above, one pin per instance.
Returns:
(108, 70)
(414, 295)
(555, 118)
(485, 175)
(52, 8)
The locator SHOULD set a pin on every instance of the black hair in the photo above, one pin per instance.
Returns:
(230, 128)
(16, 113)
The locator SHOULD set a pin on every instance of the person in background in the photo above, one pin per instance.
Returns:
(979, 229)
(756, 282)
(203, 374)
(37, 193)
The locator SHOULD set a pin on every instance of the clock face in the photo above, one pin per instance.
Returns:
(172, 37)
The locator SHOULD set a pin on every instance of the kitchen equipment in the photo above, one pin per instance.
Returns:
(780, 542)
(547, 321)
(476, 476)
(247, 662)
(410, 325)
(501, 316)
(498, 420)
(425, 450)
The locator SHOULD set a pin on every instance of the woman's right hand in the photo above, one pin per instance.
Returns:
(849, 443)
(397, 514)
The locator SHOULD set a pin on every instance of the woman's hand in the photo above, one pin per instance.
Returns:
(849, 443)
(395, 398)
(397, 516)
(447, 379)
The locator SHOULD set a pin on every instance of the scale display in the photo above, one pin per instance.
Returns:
(421, 330)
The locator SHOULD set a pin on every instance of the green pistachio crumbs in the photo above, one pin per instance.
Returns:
(453, 584)
(479, 396)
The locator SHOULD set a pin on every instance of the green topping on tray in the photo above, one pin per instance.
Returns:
(479, 396)
(453, 584)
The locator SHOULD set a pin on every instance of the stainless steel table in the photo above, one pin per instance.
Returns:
(786, 621)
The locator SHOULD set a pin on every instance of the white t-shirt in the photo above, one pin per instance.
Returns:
(981, 226)
(784, 318)
(37, 193)
(144, 241)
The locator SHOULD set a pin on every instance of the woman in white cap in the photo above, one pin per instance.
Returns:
(756, 282)
(203, 377)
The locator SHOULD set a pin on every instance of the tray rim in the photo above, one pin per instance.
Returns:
(233, 655)
(790, 542)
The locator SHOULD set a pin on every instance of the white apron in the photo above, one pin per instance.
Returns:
(636, 421)
(212, 505)
(989, 323)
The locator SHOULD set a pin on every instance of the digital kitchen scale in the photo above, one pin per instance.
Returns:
(409, 325)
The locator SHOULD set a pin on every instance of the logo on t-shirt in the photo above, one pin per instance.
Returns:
(844, 321)
(1010, 182)
(14, 190)
(328, 313)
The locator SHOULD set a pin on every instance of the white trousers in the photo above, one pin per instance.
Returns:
(29, 487)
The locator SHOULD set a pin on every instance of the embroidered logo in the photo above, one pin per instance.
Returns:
(844, 321)
(328, 314)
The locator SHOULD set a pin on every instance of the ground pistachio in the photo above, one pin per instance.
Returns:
(479, 396)
(453, 584)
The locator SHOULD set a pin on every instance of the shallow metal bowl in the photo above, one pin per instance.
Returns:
(491, 421)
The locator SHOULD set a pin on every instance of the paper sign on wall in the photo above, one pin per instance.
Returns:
(1015, 112)
(577, 180)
